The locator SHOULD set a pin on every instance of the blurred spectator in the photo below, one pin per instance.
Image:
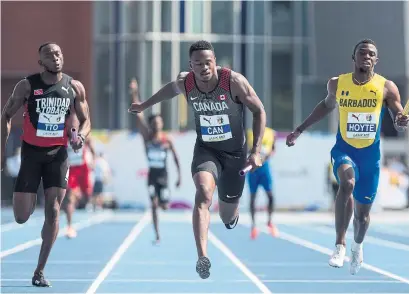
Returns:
(332, 184)
(102, 175)
(398, 168)
(13, 164)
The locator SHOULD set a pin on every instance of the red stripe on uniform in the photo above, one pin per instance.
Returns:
(190, 82)
(225, 79)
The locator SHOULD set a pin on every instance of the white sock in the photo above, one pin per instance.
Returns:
(356, 246)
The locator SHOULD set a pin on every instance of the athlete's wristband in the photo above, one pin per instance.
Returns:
(298, 129)
(81, 137)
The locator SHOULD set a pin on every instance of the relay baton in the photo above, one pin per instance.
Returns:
(245, 170)
(406, 109)
(74, 135)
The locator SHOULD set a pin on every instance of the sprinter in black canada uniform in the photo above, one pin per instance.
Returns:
(217, 96)
(49, 98)
(157, 145)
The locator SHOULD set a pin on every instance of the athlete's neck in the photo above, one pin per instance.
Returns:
(360, 77)
(51, 78)
(157, 135)
(210, 85)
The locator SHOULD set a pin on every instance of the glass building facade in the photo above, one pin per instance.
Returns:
(269, 42)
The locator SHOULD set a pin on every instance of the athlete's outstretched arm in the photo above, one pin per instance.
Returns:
(245, 93)
(81, 109)
(324, 107)
(140, 118)
(176, 159)
(320, 111)
(393, 101)
(20, 93)
(167, 92)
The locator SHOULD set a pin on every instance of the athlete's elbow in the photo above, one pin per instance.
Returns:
(6, 120)
(259, 113)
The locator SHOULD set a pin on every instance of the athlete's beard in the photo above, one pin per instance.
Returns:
(51, 71)
(369, 72)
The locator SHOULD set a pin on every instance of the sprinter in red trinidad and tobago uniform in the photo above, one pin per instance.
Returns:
(81, 164)
(48, 98)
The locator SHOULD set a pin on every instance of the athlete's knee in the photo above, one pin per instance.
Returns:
(204, 195)
(164, 205)
(21, 219)
(361, 216)
(347, 186)
(23, 206)
(52, 212)
(154, 202)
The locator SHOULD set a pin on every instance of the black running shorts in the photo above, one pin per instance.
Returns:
(225, 169)
(158, 185)
(47, 163)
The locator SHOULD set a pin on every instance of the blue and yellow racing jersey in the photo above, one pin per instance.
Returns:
(360, 111)
(266, 144)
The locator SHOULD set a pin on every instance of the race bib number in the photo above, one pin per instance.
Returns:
(157, 158)
(361, 125)
(215, 128)
(50, 125)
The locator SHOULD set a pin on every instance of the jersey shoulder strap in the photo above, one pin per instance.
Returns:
(33, 79)
(225, 74)
(189, 83)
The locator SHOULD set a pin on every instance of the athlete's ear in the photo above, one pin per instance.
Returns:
(40, 62)
(190, 65)
(353, 57)
(376, 61)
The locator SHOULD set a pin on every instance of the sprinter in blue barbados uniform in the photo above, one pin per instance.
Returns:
(362, 97)
(262, 177)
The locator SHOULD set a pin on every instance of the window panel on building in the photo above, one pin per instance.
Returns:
(224, 54)
(281, 18)
(281, 91)
(305, 6)
(196, 17)
(166, 77)
(134, 17)
(147, 70)
(258, 70)
(133, 69)
(184, 66)
(149, 16)
(138, 16)
(305, 55)
(259, 7)
(103, 17)
(103, 85)
(166, 15)
(184, 56)
(222, 17)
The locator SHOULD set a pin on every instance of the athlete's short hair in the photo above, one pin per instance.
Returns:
(44, 45)
(200, 45)
(364, 41)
